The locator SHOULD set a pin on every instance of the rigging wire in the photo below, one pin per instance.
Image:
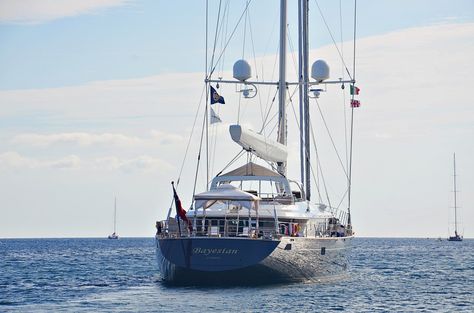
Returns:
(190, 137)
(231, 35)
(266, 121)
(269, 106)
(243, 57)
(254, 55)
(214, 142)
(245, 32)
(318, 164)
(333, 40)
(330, 137)
(187, 149)
(349, 222)
(199, 154)
(292, 48)
(235, 158)
(343, 74)
(223, 35)
(260, 104)
(301, 136)
(204, 122)
(224, 29)
(215, 36)
(342, 198)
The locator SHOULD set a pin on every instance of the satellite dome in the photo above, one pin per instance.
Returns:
(320, 70)
(242, 70)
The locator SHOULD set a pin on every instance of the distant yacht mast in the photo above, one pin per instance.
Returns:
(115, 215)
(456, 236)
(455, 197)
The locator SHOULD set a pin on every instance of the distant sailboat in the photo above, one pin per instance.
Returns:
(456, 236)
(114, 234)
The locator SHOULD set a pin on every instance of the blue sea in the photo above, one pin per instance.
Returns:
(100, 275)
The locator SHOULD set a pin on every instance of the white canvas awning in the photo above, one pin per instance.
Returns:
(226, 194)
(252, 169)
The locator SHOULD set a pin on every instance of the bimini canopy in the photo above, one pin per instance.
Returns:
(226, 194)
(252, 169)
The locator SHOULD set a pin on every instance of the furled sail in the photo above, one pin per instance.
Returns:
(262, 147)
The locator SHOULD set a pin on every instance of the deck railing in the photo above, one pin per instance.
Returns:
(228, 228)
(209, 227)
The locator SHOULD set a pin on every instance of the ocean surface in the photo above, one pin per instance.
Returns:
(100, 275)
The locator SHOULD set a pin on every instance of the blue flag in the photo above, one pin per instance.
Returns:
(215, 97)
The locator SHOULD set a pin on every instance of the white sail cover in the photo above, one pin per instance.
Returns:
(226, 193)
(264, 148)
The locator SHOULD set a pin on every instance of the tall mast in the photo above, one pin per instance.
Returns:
(303, 95)
(282, 131)
(306, 98)
(300, 91)
(455, 203)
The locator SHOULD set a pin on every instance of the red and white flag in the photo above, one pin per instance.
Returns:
(180, 212)
(355, 103)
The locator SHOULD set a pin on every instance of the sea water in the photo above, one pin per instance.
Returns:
(100, 275)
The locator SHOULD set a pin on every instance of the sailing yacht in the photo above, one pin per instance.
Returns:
(114, 235)
(252, 225)
(456, 236)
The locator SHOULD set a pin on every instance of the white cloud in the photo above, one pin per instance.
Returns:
(71, 161)
(85, 139)
(13, 160)
(39, 11)
(79, 138)
(140, 163)
(166, 138)
(123, 100)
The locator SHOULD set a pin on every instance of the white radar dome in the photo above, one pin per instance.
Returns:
(320, 70)
(242, 70)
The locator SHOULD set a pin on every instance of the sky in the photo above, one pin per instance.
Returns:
(98, 100)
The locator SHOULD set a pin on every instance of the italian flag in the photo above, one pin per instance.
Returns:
(354, 90)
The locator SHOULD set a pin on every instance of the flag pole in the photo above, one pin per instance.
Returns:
(176, 207)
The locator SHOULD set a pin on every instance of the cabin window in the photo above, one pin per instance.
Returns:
(264, 189)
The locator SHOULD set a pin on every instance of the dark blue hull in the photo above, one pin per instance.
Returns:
(199, 261)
